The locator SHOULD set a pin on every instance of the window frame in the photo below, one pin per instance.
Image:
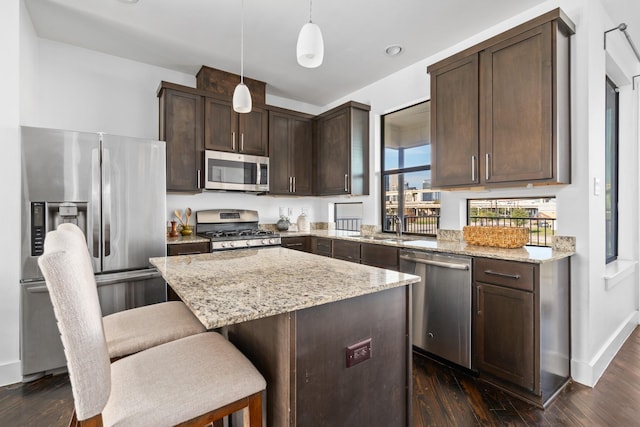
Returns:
(612, 239)
(397, 171)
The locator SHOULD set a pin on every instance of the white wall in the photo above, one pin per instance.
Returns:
(79, 89)
(9, 191)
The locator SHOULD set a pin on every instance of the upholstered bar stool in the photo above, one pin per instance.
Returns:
(194, 380)
(140, 328)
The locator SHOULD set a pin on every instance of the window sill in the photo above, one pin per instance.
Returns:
(618, 270)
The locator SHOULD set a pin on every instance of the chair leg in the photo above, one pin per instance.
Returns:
(255, 411)
(73, 422)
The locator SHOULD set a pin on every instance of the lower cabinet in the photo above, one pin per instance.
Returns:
(521, 326)
(346, 250)
(188, 248)
(299, 243)
(322, 246)
(380, 256)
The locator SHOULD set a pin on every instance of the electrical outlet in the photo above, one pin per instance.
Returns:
(358, 352)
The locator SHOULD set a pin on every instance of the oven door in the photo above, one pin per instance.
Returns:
(239, 172)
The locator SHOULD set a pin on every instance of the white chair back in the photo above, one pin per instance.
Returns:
(71, 283)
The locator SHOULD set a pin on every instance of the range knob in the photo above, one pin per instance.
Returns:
(223, 245)
(272, 241)
(248, 243)
(265, 241)
(231, 244)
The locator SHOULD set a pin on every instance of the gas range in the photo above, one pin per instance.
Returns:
(233, 229)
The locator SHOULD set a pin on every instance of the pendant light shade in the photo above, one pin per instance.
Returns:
(310, 48)
(241, 99)
(241, 94)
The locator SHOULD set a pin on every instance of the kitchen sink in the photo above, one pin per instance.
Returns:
(389, 238)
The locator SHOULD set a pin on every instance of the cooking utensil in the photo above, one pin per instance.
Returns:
(187, 213)
(178, 215)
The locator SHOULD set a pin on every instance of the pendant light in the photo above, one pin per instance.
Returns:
(241, 94)
(310, 48)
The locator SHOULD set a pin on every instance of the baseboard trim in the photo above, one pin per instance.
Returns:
(10, 373)
(588, 373)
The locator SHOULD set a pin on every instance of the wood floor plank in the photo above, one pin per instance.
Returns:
(442, 396)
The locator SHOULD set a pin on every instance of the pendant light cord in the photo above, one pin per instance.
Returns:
(242, 43)
(310, 4)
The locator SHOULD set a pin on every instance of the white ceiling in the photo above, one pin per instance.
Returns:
(183, 35)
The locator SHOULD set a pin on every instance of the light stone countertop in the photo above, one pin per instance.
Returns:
(193, 238)
(532, 254)
(223, 288)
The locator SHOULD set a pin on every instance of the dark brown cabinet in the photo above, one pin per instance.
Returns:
(521, 326)
(290, 153)
(342, 151)
(226, 130)
(181, 127)
(322, 246)
(299, 243)
(500, 110)
(380, 256)
(188, 248)
(346, 250)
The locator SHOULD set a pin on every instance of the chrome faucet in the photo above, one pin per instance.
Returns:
(398, 227)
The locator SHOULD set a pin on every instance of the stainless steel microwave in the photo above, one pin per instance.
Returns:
(233, 171)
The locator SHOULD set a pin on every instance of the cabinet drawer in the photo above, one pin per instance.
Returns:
(321, 246)
(517, 275)
(297, 243)
(346, 250)
(188, 248)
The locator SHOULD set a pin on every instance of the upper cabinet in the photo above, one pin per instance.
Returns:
(226, 130)
(181, 127)
(342, 150)
(500, 110)
(290, 153)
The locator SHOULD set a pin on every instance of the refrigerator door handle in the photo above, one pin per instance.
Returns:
(126, 276)
(106, 161)
(95, 203)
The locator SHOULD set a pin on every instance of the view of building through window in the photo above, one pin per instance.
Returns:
(408, 200)
(537, 214)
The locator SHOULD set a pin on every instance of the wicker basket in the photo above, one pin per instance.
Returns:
(499, 237)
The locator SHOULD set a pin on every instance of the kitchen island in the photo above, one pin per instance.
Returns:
(332, 338)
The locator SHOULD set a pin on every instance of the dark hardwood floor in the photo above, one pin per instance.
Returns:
(443, 396)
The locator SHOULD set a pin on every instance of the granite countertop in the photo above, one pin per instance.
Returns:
(223, 288)
(532, 254)
(186, 239)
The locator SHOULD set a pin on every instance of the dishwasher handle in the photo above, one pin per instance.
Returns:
(451, 265)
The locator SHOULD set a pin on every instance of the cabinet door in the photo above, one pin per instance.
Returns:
(517, 108)
(253, 132)
(301, 155)
(188, 248)
(181, 128)
(346, 250)
(380, 256)
(505, 334)
(454, 123)
(322, 246)
(333, 154)
(297, 243)
(220, 130)
(279, 174)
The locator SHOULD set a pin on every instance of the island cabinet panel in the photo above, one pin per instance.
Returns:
(301, 243)
(521, 326)
(226, 130)
(290, 153)
(342, 151)
(380, 256)
(322, 246)
(500, 110)
(302, 356)
(346, 250)
(181, 126)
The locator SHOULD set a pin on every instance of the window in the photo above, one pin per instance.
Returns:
(407, 198)
(611, 171)
(538, 214)
(348, 216)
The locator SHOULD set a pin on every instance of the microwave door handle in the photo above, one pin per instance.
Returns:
(107, 202)
(258, 172)
(95, 203)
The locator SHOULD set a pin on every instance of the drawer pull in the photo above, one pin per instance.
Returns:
(497, 273)
(293, 244)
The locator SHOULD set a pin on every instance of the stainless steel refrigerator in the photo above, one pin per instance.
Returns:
(113, 188)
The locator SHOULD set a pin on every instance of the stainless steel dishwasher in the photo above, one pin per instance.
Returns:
(441, 303)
